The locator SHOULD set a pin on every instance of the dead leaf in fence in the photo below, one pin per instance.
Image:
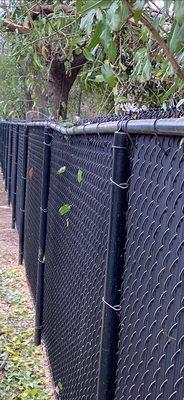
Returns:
(31, 172)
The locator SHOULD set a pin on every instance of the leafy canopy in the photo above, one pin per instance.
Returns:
(125, 42)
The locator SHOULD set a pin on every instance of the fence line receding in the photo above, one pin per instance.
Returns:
(100, 219)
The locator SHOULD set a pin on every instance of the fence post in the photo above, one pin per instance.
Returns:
(114, 268)
(6, 157)
(10, 162)
(23, 195)
(42, 235)
(14, 194)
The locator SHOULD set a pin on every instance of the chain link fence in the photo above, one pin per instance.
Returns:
(99, 210)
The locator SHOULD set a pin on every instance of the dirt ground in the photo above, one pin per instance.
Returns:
(26, 374)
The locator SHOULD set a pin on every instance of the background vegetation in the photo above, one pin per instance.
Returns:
(114, 52)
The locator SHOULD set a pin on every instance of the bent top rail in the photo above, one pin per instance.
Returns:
(156, 126)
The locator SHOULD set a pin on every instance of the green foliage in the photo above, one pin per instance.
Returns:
(143, 67)
(12, 103)
(61, 170)
(132, 54)
(108, 75)
(80, 176)
(179, 11)
(120, 52)
(59, 388)
(64, 209)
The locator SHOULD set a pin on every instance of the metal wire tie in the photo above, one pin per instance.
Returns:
(125, 129)
(39, 327)
(156, 132)
(23, 177)
(44, 209)
(124, 185)
(47, 144)
(41, 261)
(22, 210)
(119, 147)
(115, 308)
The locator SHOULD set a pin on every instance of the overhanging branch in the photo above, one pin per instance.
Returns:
(43, 10)
(10, 26)
(79, 61)
(161, 42)
(47, 9)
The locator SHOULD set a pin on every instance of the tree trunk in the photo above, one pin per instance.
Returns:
(57, 86)
(41, 99)
(28, 97)
(64, 99)
(60, 84)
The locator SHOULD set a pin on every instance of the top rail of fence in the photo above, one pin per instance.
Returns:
(167, 126)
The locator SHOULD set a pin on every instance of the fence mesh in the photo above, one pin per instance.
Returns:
(19, 173)
(151, 343)
(75, 260)
(6, 155)
(2, 134)
(14, 139)
(151, 339)
(33, 202)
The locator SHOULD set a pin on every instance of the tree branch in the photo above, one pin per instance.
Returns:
(48, 9)
(45, 9)
(79, 61)
(10, 26)
(161, 42)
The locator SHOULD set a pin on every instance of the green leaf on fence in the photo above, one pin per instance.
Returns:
(80, 175)
(61, 170)
(59, 387)
(65, 209)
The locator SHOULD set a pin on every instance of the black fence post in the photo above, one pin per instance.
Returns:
(10, 162)
(114, 268)
(23, 195)
(42, 236)
(6, 156)
(14, 188)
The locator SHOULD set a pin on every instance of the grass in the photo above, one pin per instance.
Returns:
(25, 375)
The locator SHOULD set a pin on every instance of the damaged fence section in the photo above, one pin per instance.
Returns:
(99, 211)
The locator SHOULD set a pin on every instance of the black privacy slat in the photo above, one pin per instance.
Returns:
(33, 201)
(2, 141)
(14, 138)
(150, 359)
(151, 347)
(75, 261)
(19, 173)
